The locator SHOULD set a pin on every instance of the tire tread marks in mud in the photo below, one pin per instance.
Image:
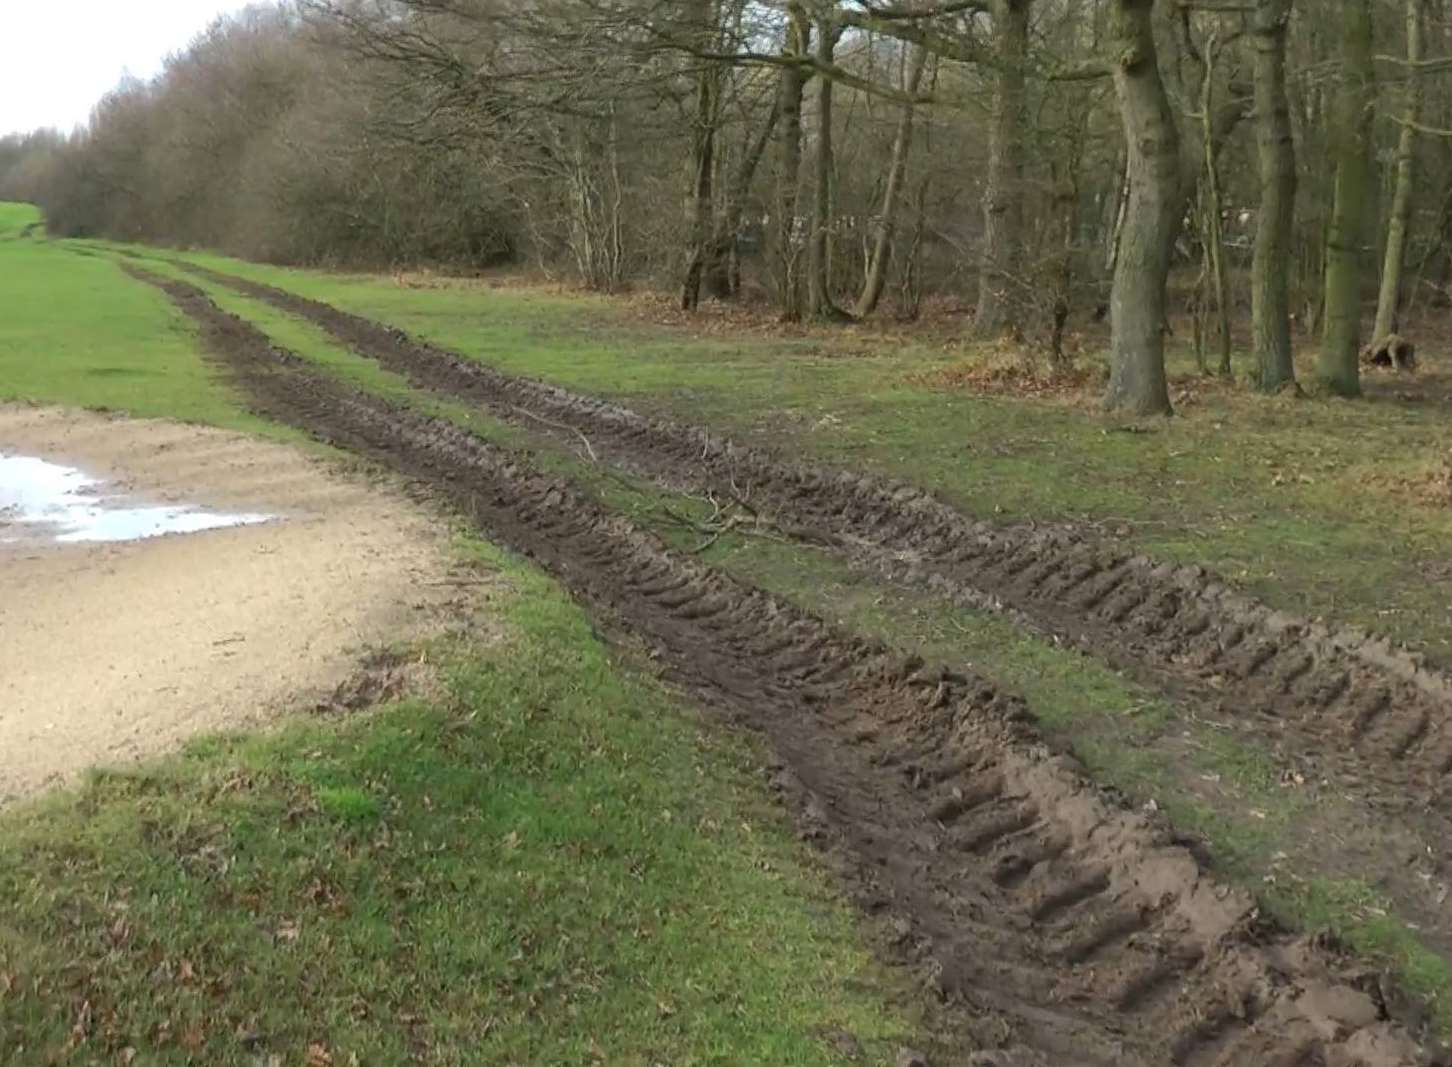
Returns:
(1073, 931)
(1172, 626)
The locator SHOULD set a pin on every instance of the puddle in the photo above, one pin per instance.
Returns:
(48, 502)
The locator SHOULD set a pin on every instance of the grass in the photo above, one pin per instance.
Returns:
(74, 330)
(1317, 506)
(1311, 857)
(550, 860)
(1298, 501)
(293, 333)
(551, 863)
(1264, 836)
(15, 218)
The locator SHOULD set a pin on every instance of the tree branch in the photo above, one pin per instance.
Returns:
(957, 7)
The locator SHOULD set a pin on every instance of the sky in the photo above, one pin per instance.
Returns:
(61, 56)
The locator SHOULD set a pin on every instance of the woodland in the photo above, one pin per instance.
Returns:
(1046, 161)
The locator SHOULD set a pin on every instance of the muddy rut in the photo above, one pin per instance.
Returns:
(1359, 708)
(1063, 929)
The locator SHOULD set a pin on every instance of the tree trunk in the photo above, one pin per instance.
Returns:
(1222, 120)
(703, 167)
(910, 281)
(1152, 215)
(1389, 302)
(789, 164)
(902, 144)
(1115, 221)
(720, 273)
(1435, 270)
(1000, 269)
(1065, 178)
(1339, 367)
(1066, 217)
(1270, 295)
(1214, 235)
(819, 283)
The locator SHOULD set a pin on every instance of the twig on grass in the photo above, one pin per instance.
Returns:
(560, 426)
(735, 516)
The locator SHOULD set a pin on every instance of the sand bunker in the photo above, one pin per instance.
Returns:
(113, 647)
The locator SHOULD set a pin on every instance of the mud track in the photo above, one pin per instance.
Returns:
(1359, 708)
(1065, 930)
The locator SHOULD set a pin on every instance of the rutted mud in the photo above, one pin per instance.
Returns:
(1361, 707)
(1071, 931)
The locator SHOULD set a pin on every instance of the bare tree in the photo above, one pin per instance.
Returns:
(1276, 162)
(798, 138)
(1389, 300)
(703, 157)
(788, 247)
(915, 61)
(1137, 383)
(1003, 238)
(1339, 367)
(723, 268)
(819, 288)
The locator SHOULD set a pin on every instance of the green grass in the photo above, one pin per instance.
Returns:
(292, 333)
(16, 218)
(1313, 505)
(1293, 500)
(1253, 488)
(74, 330)
(1291, 847)
(1315, 860)
(550, 860)
(549, 863)
(1265, 837)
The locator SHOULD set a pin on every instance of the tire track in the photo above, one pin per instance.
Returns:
(1362, 708)
(1074, 931)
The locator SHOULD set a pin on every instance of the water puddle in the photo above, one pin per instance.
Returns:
(48, 502)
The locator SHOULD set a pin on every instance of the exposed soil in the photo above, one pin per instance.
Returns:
(1065, 929)
(109, 652)
(1349, 706)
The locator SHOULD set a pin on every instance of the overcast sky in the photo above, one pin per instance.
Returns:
(62, 55)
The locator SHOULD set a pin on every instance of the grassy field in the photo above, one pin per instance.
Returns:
(550, 861)
(1315, 505)
(1325, 507)
(71, 333)
(1266, 834)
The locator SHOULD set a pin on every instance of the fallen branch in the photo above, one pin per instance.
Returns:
(736, 516)
(560, 426)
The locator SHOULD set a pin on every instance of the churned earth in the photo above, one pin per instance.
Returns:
(1064, 928)
(1050, 916)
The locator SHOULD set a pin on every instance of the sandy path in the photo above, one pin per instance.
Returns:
(109, 652)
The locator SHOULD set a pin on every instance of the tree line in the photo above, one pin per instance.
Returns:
(838, 158)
